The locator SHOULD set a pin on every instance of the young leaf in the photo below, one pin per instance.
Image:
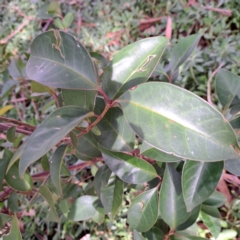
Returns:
(112, 195)
(199, 180)
(116, 134)
(127, 167)
(217, 199)
(227, 86)
(172, 207)
(16, 182)
(40, 88)
(233, 166)
(67, 20)
(82, 208)
(143, 211)
(55, 167)
(56, 126)
(132, 65)
(176, 121)
(11, 134)
(54, 61)
(182, 50)
(45, 192)
(15, 231)
(213, 224)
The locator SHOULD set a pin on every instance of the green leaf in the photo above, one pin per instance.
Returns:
(81, 98)
(213, 224)
(87, 147)
(11, 134)
(212, 211)
(155, 233)
(106, 174)
(13, 202)
(199, 180)
(46, 193)
(97, 182)
(233, 166)
(116, 134)
(56, 126)
(7, 155)
(67, 20)
(182, 50)
(176, 121)
(7, 86)
(55, 61)
(74, 139)
(112, 196)
(100, 58)
(227, 86)
(15, 231)
(98, 217)
(191, 220)
(55, 167)
(137, 235)
(82, 208)
(40, 88)
(132, 65)
(14, 180)
(172, 207)
(178, 237)
(54, 8)
(143, 211)
(217, 199)
(129, 168)
(4, 219)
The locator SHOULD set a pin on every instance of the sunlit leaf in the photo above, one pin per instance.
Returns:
(6, 108)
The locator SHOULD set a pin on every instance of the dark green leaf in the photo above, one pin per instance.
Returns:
(143, 211)
(233, 166)
(15, 231)
(212, 211)
(13, 202)
(98, 180)
(155, 233)
(182, 50)
(179, 237)
(67, 20)
(129, 168)
(58, 60)
(227, 86)
(172, 207)
(4, 218)
(199, 180)
(116, 134)
(176, 121)
(45, 192)
(56, 126)
(54, 8)
(103, 61)
(132, 65)
(7, 155)
(55, 167)
(11, 134)
(217, 199)
(82, 208)
(74, 139)
(112, 196)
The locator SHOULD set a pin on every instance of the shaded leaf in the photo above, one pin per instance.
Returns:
(7, 86)
(97, 182)
(13, 203)
(74, 139)
(212, 211)
(55, 167)
(7, 155)
(199, 180)
(233, 166)
(82, 208)
(14, 231)
(132, 65)
(155, 233)
(103, 61)
(178, 126)
(143, 211)
(45, 192)
(137, 235)
(56, 126)
(172, 207)
(129, 168)
(179, 237)
(217, 199)
(11, 134)
(55, 61)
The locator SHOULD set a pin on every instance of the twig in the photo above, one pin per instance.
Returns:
(225, 12)
(5, 127)
(10, 120)
(47, 24)
(151, 20)
(209, 84)
(5, 193)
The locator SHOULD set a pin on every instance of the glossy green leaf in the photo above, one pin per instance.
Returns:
(55, 167)
(233, 166)
(132, 65)
(46, 193)
(182, 50)
(172, 207)
(155, 233)
(227, 86)
(81, 98)
(112, 196)
(11, 134)
(116, 134)
(213, 224)
(157, 155)
(129, 168)
(14, 231)
(191, 220)
(7, 155)
(56, 126)
(67, 20)
(143, 211)
(58, 60)
(199, 180)
(14, 180)
(82, 208)
(217, 199)
(212, 211)
(87, 147)
(176, 121)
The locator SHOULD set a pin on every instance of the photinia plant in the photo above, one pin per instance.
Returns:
(137, 131)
